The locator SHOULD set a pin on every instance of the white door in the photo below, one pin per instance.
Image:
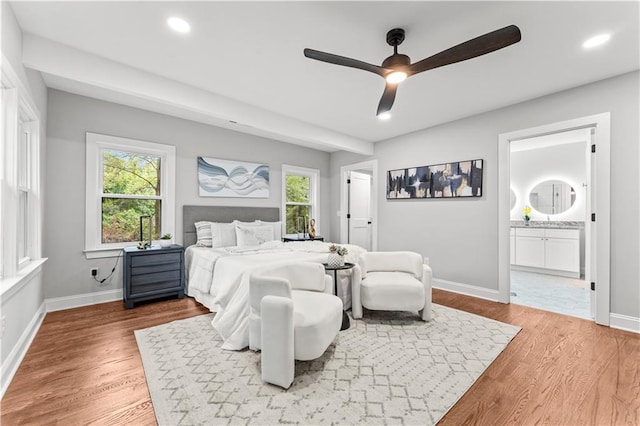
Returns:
(359, 215)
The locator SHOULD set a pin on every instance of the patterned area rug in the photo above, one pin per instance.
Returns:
(389, 367)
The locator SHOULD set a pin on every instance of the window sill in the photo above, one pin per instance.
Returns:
(11, 285)
(104, 252)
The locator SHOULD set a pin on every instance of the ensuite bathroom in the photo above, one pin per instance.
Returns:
(550, 205)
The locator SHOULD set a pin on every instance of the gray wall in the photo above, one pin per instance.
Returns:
(461, 236)
(71, 116)
(20, 309)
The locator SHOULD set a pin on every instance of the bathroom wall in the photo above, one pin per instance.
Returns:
(566, 162)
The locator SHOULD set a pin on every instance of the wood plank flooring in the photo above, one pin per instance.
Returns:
(84, 368)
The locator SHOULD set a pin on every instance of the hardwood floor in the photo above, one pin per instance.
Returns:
(84, 368)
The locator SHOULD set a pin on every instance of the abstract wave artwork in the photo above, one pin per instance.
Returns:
(228, 178)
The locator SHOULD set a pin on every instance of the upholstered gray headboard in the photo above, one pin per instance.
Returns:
(225, 214)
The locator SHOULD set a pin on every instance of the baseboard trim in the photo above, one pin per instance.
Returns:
(466, 289)
(624, 322)
(79, 300)
(17, 354)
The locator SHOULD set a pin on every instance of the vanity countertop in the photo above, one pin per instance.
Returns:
(548, 224)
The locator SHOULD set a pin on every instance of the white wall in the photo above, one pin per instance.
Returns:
(460, 236)
(566, 162)
(20, 309)
(71, 116)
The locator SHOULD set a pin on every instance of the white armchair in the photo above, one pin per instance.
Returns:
(293, 315)
(392, 281)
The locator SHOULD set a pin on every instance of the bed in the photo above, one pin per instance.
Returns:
(242, 239)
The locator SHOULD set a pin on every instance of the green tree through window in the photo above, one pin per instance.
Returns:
(298, 205)
(130, 189)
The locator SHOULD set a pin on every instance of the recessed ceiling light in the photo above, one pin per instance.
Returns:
(179, 24)
(384, 116)
(596, 41)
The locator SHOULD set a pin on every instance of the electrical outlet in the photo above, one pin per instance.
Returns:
(94, 272)
(4, 323)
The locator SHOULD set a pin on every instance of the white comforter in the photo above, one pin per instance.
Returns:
(223, 275)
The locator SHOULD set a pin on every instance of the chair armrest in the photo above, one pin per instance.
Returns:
(427, 275)
(356, 301)
(277, 336)
(328, 284)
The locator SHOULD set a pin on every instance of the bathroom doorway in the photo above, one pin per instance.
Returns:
(550, 184)
(597, 202)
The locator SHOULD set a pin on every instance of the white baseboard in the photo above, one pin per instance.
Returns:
(15, 357)
(466, 289)
(79, 300)
(624, 322)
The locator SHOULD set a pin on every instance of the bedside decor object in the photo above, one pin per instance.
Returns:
(165, 240)
(227, 178)
(526, 211)
(450, 180)
(153, 273)
(336, 256)
(144, 244)
(312, 228)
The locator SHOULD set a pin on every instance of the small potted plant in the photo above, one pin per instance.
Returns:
(165, 240)
(526, 211)
(336, 256)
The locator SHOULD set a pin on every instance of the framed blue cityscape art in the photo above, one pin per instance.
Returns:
(228, 178)
(449, 180)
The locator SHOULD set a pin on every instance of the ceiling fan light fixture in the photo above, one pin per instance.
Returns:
(396, 77)
(179, 25)
(595, 41)
(384, 116)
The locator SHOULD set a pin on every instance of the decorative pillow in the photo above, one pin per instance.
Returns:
(254, 223)
(223, 234)
(203, 233)
(277, 229)
(252, 235)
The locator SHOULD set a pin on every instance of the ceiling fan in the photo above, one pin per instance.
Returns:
(397, 67)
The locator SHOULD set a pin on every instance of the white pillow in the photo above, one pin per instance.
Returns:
(277, 229)
(253, 235)
(203, 233)
(223, 234)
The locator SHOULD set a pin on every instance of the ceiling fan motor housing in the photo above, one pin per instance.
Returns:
(395, 37)
(396, 60)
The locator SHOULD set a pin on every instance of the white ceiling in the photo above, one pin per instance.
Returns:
(243, 61)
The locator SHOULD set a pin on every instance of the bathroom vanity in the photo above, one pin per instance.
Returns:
(547, 247)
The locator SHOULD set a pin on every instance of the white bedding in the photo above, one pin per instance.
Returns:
(218, 278)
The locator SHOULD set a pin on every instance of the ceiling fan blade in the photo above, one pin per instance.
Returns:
(473, 48)
(344, 61)
(389, 95)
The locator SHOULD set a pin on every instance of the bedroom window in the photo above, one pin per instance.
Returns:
(127, 179)
(300, 198)
(20, 231)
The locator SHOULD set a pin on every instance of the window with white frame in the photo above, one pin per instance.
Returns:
(300, 198)
(130, 184)
(24, 193)
(20, 201)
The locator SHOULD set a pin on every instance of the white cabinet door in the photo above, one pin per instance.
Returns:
(562, 254)
(530, 251)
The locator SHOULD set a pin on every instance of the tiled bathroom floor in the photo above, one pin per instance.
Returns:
(551, 293)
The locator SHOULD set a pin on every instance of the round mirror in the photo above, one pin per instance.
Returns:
(552, 197)
(513, 199)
